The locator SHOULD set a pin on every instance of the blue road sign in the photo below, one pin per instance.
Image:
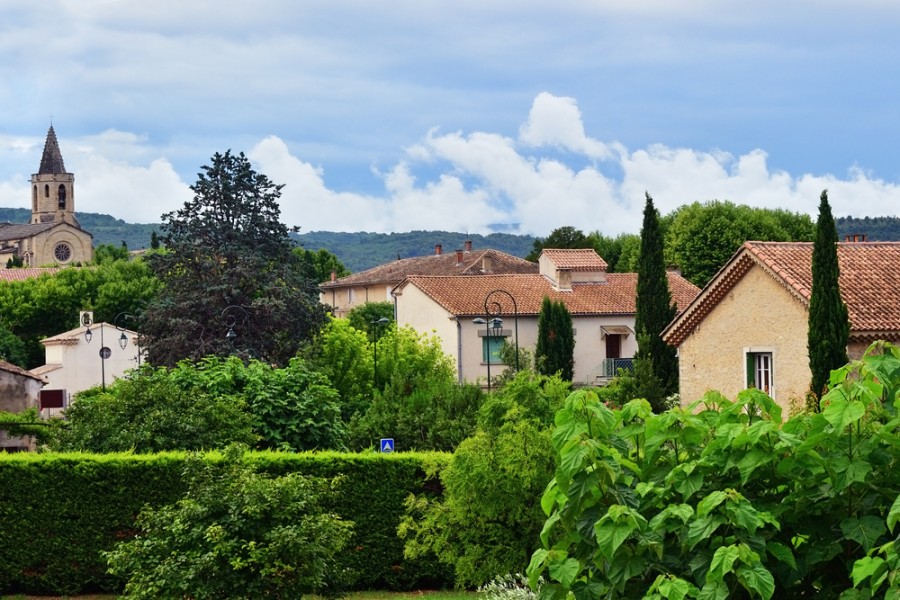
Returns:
(387, 444)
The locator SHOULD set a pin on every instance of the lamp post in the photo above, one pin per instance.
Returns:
(87, 320)
(493, 307)
(119, 322)
(376, 328)
(493, 326)
(230, 315)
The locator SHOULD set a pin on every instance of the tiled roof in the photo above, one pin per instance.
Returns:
(869, 280)
(51, 160)
(465, 296)
(436, 264)
(18, 231)
(11, 368)
(576, 259)
(23, 274)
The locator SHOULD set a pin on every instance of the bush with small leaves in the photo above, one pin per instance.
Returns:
(236, 534)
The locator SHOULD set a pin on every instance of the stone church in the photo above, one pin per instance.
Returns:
(53, 237)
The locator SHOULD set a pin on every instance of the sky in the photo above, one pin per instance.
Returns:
(469, 116)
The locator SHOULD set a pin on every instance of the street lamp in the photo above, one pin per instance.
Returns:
(87, 320)
(230, 315)
(376, 328)
(119, 322)
(493, 327)
(494, 307)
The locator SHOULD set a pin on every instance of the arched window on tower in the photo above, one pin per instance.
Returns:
(61, 196)
(46, 191)
(34, 199)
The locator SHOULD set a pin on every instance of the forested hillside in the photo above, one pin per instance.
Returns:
(363, 250)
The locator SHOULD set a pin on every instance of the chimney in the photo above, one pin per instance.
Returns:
(333, 276)
(437, 249)
(468, 245)
(485, 264)
(855, 237)
(459, 257)
(564, 280)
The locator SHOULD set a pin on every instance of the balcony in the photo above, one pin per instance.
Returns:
(611, 366)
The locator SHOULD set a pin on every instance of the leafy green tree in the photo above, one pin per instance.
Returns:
(48, 305)
(620, 252)
(15, 262)
(489, 518)
(722, 499)
(829, 327)
(345, 356)
(12, 349)
(420, 403)
(655, 310)
(320, 264)
(235, 534)
(555, 351)
(365, 316)
(227, 248)
(152, 412)
(701, 237)
(105, 253)
(561, 237)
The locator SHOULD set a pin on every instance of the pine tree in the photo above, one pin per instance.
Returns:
(829, 327)
(655, 309)
(555, 352)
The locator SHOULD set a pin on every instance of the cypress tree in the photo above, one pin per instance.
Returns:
(555, 351)
(829, 327)
(655, 309)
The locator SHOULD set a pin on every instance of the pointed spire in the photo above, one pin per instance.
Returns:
(51, 161)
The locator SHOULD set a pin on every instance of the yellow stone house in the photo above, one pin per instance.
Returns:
(748, 326)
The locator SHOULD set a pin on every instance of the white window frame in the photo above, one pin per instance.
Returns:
(757, 351)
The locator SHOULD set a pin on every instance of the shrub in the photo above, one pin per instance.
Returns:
(723, 500)
(235, 534)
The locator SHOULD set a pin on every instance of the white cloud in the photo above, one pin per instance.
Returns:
(461, 181)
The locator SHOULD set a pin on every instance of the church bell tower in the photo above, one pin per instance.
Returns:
(52, 189)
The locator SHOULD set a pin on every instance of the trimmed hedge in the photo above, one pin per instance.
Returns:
(58, 512)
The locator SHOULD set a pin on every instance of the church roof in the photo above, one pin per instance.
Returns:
(20, 231)
(51, 161)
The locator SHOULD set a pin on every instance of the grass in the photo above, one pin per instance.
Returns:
(417, 595)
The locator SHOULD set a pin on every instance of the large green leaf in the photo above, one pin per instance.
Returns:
(866, 567)
(782, 553)
(610, 536)
(566, 571)
(757, 579)
(894, 514)
(840, 413)
(722, 563)
(864, 531)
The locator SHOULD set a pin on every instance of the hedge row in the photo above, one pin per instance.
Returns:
(58, 512)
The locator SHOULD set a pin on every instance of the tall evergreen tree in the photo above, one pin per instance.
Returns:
(829, 327)
(555, 351)
(231, 283)
(655, 309)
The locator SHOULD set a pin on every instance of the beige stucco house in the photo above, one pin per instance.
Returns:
(19, 390)
(602, 306)
(53, 236)
(75, 364)
(748, 326)
(375, 284)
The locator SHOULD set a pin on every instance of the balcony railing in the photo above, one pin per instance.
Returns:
(611, 366)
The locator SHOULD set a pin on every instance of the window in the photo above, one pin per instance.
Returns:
(760, 371)
(62, 252)
(61, 196)
(490, 349)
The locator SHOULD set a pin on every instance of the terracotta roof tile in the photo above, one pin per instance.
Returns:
(23, 274)
(11, 368)
(436, 264)
(576, 259)
(465, 296)
(869, 280)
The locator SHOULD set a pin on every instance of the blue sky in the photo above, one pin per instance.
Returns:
(465, 115)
